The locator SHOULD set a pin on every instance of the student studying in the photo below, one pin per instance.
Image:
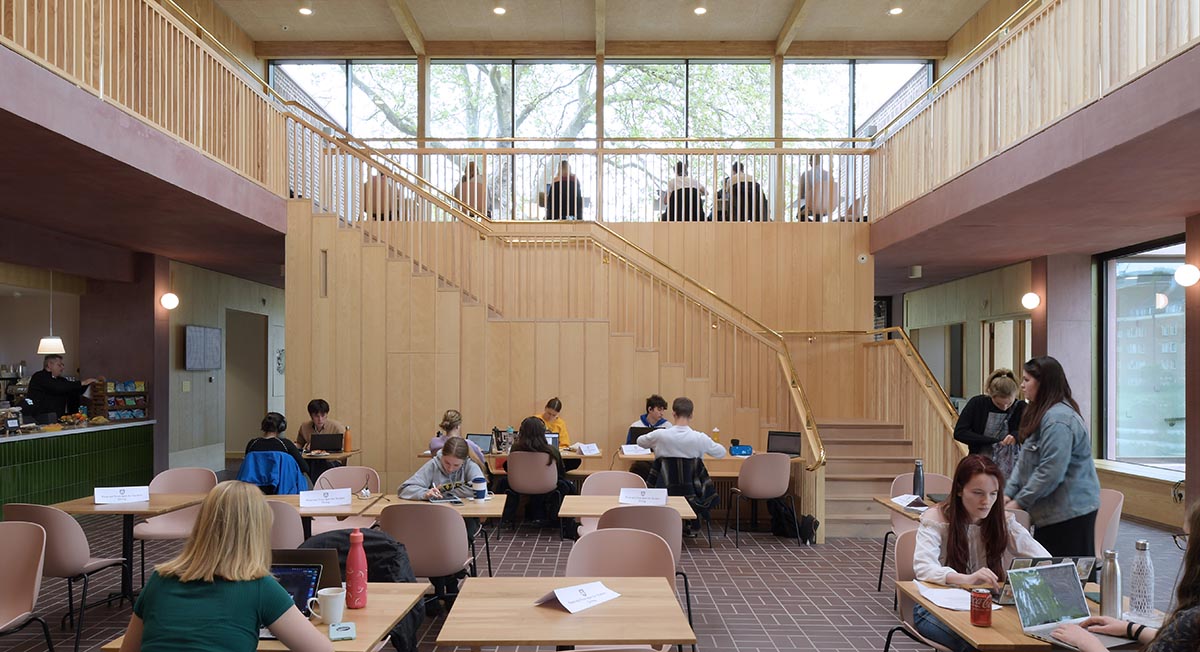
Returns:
(656, 409)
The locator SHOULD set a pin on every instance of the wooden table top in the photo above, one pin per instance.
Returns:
(356, 507)
(500, 611)
(1005, 633)
(337, 457)
(158, 504)
(386, 604)
(493, 508)
(595, 506)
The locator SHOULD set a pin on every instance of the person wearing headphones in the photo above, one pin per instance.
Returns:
(272, 439)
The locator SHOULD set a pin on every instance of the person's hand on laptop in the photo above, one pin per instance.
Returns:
(1105, 625)
(1079, 637)
(983, 577)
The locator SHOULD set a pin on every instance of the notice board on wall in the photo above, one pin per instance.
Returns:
(202, 345)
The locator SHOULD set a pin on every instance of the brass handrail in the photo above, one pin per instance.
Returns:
(933, 88)
(629, 139)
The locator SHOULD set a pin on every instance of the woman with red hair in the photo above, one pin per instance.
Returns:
(968, 540)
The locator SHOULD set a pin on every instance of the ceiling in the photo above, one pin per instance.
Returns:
(626, 20)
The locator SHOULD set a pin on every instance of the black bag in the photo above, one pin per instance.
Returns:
(387, 561)
(783, 522)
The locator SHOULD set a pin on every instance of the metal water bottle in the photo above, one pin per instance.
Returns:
(919, 479)
(1110, 586)
(1141, 590)
(356, 572)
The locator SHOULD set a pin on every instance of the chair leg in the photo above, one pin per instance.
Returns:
(883, 560)
(708, 529)
(737, 521)
(143, 562)
(487, 549)
(82, 607)
(728, 514)
(45, 632)
(473, 570)
(69, 617)
(795, 518)
(687, 597)
(887, 644)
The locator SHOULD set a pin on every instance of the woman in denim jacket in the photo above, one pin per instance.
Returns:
(1055, 477)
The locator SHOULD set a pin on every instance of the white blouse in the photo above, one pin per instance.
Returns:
(929, 559)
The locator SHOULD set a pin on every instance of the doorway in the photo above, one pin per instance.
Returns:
(245, 377)
(1007, 344)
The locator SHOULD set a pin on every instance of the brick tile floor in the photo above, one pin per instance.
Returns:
(769, 595)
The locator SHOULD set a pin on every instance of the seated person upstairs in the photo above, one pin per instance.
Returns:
(683, 198)
(272, 440)
(819, 192)
(472, 191)
(678, 466)
(564, 198)
(656, 408)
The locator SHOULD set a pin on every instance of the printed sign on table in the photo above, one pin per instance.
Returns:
(643, 497)
(325, 497)
(118, 495)
(579, 597)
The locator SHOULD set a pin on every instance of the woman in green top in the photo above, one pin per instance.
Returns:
(219, 591)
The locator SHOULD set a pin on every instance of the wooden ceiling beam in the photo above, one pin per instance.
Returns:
(601, 12)
(788, 33)
(409, 24)
(587, 49)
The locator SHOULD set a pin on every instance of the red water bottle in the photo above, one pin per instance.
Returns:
(356, 572)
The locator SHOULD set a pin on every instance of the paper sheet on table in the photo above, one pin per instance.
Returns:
(907, 502)
(634, 449)
(579, 597)
(953, 599)
(589, 449)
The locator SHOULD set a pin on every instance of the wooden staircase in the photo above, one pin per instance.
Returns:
(863, 457)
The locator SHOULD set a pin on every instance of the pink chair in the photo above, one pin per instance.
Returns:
(659, 519)
(287, 528)
(762, 477)
(68, 554)
(1108, 520)
(935, 483)
(23, 548)
(354, 478)
(606, 483)
(179, 523)
(1022, 517)
(906, 545)
(530, 475)
(606, 553)
(435, 538)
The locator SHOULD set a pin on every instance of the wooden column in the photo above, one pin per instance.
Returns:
(422, 108)
(600, 138)
(1191, 465)
(777, 120)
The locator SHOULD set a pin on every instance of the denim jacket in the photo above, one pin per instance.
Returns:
(1055, 477)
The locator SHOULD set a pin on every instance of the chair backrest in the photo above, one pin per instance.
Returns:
(184, 480)
(610, 483)
(529, 474)
(621, 552)
(684, 204)
(349, 477)
(765, 475)
(1022, 517)
(747, 202)
(564, 199)
(287, 530)
(935, 483)
(23, 548)
(67, 550)
(434, 536)
(906, 548)
(660, 519)
(1108, 520)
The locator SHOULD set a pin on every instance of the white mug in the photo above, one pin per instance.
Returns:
(329, 605)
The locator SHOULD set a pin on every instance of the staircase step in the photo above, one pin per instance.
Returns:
(838, 429)
(855, 504)
(887, 466)
(842, 484)
(877, 447)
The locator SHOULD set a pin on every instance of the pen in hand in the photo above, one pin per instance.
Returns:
(433, 492)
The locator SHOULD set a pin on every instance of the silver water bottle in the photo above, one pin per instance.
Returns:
(1110, 585)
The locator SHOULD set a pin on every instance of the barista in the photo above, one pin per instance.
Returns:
(52, 395)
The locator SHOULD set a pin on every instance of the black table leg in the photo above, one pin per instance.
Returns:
(127, 553)
(306, 523)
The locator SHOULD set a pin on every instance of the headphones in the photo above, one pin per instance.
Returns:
(274, 422)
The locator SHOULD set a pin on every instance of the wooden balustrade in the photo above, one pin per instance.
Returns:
(135, 55)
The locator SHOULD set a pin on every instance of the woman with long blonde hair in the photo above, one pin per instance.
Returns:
(219, 591)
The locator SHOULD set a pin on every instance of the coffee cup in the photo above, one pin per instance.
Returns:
(329, 605)
(480, 487)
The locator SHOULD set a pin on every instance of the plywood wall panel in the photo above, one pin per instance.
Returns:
(524, 398)
(597, 412)
(322, 307)
(370, 431)
(299, 293)
(571, 373)
(473, 385)
(399, 287)
(348, 318)
(499, 391)
(422, 313)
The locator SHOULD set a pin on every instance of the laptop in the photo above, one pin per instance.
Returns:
(1050, 596)
(1085, 566)
(301, 582)
(780, 441)
(326, 558)
(637, 431)
(552, 439)
(331, 442)
(483, 441)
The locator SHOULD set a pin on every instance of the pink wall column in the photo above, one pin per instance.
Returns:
(124, 335)
(1192, 361)
(1062, 324)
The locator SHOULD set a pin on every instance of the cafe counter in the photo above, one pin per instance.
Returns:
(60, 465)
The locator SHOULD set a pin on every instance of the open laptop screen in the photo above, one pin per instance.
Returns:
(299, 580)
(1048, 594)
(484, 441)
(779, 441)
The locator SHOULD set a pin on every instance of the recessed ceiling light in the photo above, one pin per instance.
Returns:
(896, 11)
(700, 11)
(499, 10)
(306, 9)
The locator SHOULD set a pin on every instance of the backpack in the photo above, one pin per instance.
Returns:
(783, 522)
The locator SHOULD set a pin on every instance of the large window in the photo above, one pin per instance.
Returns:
(383, 100)
(883, 89)
(1144, 405)
(729, 100)
(319, 86)
(470, 99)
(555, 100)
(645, 99)
(816, 99)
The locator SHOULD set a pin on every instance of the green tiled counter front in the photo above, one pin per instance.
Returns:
(71, 464)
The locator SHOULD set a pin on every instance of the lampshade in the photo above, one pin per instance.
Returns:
(170, 301)
(1031, 300)
(51, 346)
(1187, 275)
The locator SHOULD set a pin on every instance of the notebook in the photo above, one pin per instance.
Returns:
(483, 441)
(300, 581)
(779, 441)
(1050, 596)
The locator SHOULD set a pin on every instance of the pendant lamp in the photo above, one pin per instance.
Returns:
(51, 345)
